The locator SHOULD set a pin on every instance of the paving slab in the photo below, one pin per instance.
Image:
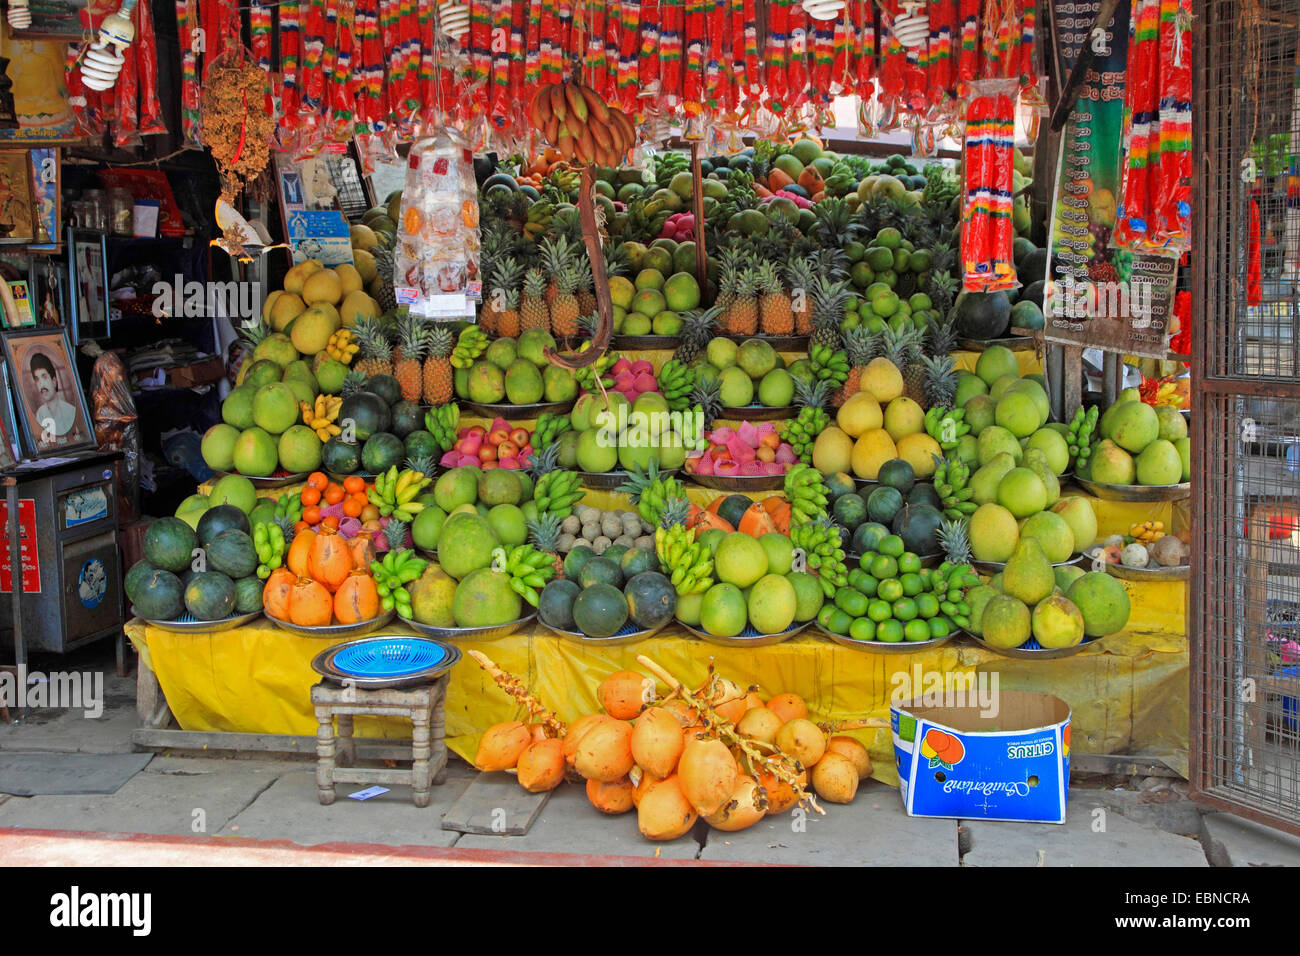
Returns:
(873, 830)
(570, 824)
(159, 800)
(71, 731)
(1232, 841)
(1164, 808)
(290, 810)
(1092, 835)
(35, 774)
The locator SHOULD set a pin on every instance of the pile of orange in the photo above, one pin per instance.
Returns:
(321, 492)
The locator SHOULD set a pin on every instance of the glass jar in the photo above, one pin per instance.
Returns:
(121, 211)
(96, 210)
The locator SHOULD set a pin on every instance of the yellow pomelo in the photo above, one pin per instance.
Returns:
(286, 308)
(349, 278)
(269, 304)
(832, 451)
(903, 417)
(872, 449)
(323, 286)
(859, 414)
(363, 237)
(365, 264)
(312, 331)
(882, 379)
(918, 450)
(357, 305)
(296, 277)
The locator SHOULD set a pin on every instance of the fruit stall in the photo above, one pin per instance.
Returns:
(649, 389)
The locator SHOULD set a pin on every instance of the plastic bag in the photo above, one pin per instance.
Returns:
(117, 425)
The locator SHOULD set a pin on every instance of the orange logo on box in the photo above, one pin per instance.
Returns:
(1065, 740)
(942, 749)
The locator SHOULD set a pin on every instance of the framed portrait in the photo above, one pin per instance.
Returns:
(48, 402)
(17, 300)
(48, 281)
(88, 255)
(16, 218)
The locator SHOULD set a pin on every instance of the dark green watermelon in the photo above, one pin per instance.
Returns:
(1027, 315)
(918, 526)
(897, 473)
(421, 443)
(555, 605)
(867, 536)
(386, 387)
(340, 457)
(638, 560)
(983, 315)
(651, 599)
(219, 519)
(368, 411)
(575, 559)
(210, 596)
(924, 494)
(407, 418)
(600, 610)
(169, 544)
(1033, 267)
(884, 503)
(232, 553)
(849, 511)
(601, 570)
(139, 573)
(248, 595)
(615, 553)
(159, 597)
(381, 452)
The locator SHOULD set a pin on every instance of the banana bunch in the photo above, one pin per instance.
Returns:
(587, 375)
(951, 483)
(829, 365)
(557, 492)
(289, 506)
(320, 416)
(550, 427)
(441, 423)
(806, 492)
(687, 562)
(676, 381)
(946, 426)
(802, 432)
(268, 542)
(1148, 532)
(472, 343)
(342, 345)
(949, 583)
(1080, 438)
(539, 218)
(821, 544)
(394, 494)
(577, 122)
(565, 178)
(656, 495)
(529, 569)
(392, 574)
(668, 165)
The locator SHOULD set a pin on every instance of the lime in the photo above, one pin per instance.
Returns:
(854, 250)
(867, 558)
(851, 602)
(890, 632)
(939, 627)
(838, 622)
(891, 589)
(909, 563)
(892, 545)
(927, 606)
(879, 611)
(917, 630)
(904, 609)
(863, 629)
(883, 567)
(879, 259)
(912, 584)
(824, 615)
(861, 275)
(889, 237)
(861, 581)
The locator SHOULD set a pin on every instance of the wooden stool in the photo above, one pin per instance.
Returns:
(421, 705)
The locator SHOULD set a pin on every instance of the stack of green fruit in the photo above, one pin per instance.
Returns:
(898, 504)
(890, 271)
(601, 594)
(1140, 445)
(610, 433)
(748, 373)
(381, 428)
(516, 372)
(652, 303)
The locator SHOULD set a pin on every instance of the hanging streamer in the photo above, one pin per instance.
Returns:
(987, 231)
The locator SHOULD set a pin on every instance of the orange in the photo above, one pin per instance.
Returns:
(354, 484)
(332, 521)
(333, 494)
(352, 508)
(317, 479)
(311, 515)
(310, 496)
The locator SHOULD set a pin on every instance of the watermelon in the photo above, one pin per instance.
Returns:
(210, 596)
(651, 599)
(918, 526)
(369, 413)
(232, 553)
(600, 610)
(381, 452)
(407, 418)
(386, 387)
(219, 519)
(555, 606)
(849, 511)
(169, 544)
(340, 457)
(601, 570)
(983, 315)
(159, 596)
(248, 595)
(139, 572)
(421, 443)
(637, 560)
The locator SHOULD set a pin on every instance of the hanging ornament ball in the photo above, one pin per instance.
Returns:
(823, 9)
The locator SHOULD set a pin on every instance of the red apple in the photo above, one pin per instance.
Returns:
(477, 430)
(507, 449)
(487, 453)
(520, 437)
(498, 435)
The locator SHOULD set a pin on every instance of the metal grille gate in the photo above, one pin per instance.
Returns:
(1245, 599)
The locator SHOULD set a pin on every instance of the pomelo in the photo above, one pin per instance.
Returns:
(484, 598)
(256, 454)
(740, 560)
(233, 490)
(275, 408)
(508, 522)
(723, 611)
(772, 604)
(809, 596)
(456, 487)
(466, 544)
(993, 533)
(1103, 602)
(237, 409)
(779, 551)
(299, 449)
(219, 447)
(1057, 623)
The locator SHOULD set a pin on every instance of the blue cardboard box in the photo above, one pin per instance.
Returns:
(1008, 762)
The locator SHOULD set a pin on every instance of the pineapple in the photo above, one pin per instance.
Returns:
(775, 314)
(556, 257)
(382, 285)
(252, 334)
(565, 309)
(408, 369)
(860, 346)
(942, 289)
(812, 393)
(799, 278)
(939, 386)
(426, 465)
(943, 336)
(544, 535)
(505, 282)
(828, 298)
(742, 317)
(353, 382)
(586, 288)
(729, 264)
(373, 349)
(698, 328)
(903, 348)
(707, 397)
(437, 374)
(534, 313)
(954, 538)
(396, 534)
(286, 525)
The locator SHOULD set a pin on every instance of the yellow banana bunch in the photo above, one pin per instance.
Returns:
(320, 417)
(1148, 532)
(342, 346)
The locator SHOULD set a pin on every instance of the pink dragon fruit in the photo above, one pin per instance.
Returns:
(720, 436)
(645, 382)
(748, 433)
(726, 468)
(450, 459)
(785, 454)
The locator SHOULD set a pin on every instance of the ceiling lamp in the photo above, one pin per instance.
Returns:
(104, 60)
(20, 14)
(912, 28)
(823, 9)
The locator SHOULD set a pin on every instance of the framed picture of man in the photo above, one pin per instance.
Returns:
(48, 402)
(88, 258)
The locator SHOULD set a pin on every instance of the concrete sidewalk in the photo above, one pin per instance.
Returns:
(199, 797)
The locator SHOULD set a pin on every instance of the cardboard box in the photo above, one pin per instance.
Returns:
(203, 372)
(957, 762)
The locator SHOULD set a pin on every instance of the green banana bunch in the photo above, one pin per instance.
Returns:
(806, 492)
(557, 492)
(396, 570)
(1080, 439)
(949, 582)
(823, 551)
(268, 542)
(587, 375)
(656, 495)
(549, 428)
(829, 365)
(668, 165)
(529, 569)
(946, 426)
(442, 423)
(471, 343)
(952, 484)
(289, 506)
(394, 493)
(802, 431)
(687, 562)
(676, 381)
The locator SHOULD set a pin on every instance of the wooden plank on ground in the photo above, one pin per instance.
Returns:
(495, 805)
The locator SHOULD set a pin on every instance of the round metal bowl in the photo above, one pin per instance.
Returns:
(749, 637)
(186, 624)
(1177, 573)
(325, 665)
(520, 412)
(271, 481)
(865, 482)
(996, 567)
(644, 343)
(885, 647)
(611, 480)
(742, 485)
(1147, 493)
(1035, 653)
(490, 632)
(334, 632)
(782, 343)
(340, 478)
(629, 633)
(757, 413)
(1016, 343)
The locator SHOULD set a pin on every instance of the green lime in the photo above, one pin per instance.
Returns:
(865, 561)
(889, 237)
(879, 259)
(904, 609)
(879, 611)
(927, 606)
(901, 257)
(909, 563)
(851, 602)
(889, 277)
(883, 567)
(892, 545)
(861, 275)
(939, 627)
(890, 632)
(917, 630)
(912, 584)
(863, 629)
(891, 589)
(838, 622)
(824, 616)
(854, 250)
(863, 582)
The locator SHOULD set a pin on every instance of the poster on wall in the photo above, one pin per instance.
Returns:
(36, 68)
(46, 198)
(16, 219)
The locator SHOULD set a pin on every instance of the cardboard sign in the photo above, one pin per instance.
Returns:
(30, 557)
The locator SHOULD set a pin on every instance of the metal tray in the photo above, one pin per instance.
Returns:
(995, 567)
(1016, 343)
(610, 480)
(627, 634)
(324, 664)
(521, 412)
(748, 637)
(271, 481)
(742, 485)
(334, 632)
(1135, 492)
(782, 343)
(864, 482)
(1177, 573)
(489, 632)
(757, 413)
(186, 624)
(1035, 653)
(339, 477)
(887, 647)
(643, 343)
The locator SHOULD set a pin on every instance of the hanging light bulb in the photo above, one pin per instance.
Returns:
(453, 19)
(20, 14)
(912, 28)
(823, 9)
(104, 60)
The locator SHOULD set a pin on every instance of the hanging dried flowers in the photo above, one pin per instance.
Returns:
(235, 124)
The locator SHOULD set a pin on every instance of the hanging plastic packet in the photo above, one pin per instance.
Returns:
(1171, 200)
(146, 54)
(798, 48)
(777, 54)
(987, 231)
(1133, 220)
